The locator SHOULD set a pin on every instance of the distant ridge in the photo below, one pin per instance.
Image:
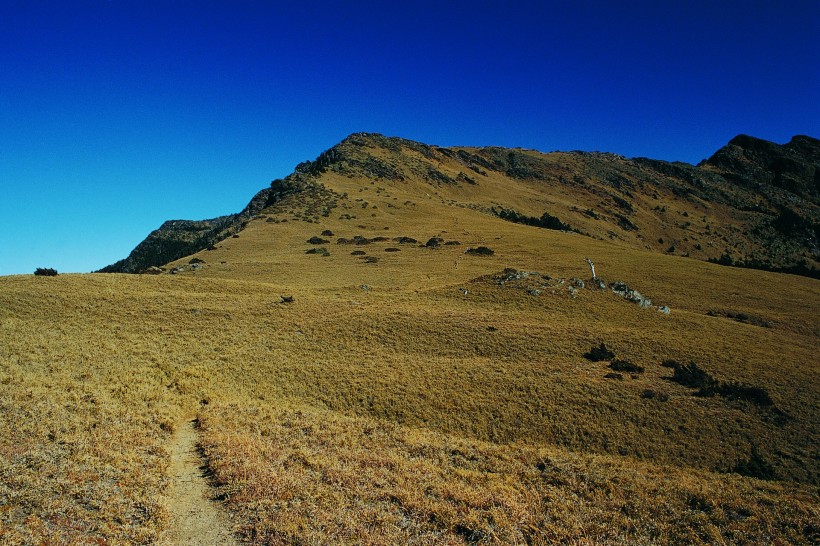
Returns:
(758, 202)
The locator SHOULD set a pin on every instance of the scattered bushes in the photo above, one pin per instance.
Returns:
(45, 272)
(546, 221)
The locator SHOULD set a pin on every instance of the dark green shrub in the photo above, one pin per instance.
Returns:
(45, 272)
(480, 251)
(598, 354)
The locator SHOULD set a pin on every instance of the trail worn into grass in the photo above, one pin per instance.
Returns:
(195, 518)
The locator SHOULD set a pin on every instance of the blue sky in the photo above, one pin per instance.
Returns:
(118, 115)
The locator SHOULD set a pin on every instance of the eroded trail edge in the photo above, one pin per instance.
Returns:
(195, 518)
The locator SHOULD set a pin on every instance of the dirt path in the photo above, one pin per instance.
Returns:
(195, 518)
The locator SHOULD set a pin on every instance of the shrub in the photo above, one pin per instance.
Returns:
(45, 272)
(625, 366)
(317, 241)
(597, 354)
(480, 251)
(738, 391)
(693, 377)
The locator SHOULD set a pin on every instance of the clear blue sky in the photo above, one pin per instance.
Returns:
(117, 115)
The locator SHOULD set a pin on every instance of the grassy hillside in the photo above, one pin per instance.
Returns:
(415, 392)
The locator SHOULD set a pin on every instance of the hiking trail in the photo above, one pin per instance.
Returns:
(196, 520)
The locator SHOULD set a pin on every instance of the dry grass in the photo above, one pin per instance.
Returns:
(409, 411)
(300, 475)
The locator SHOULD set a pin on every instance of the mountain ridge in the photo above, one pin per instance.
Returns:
(758, 202)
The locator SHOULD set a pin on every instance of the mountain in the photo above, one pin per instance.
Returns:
(754, 203)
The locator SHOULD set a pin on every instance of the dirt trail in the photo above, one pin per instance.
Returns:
(196, 520)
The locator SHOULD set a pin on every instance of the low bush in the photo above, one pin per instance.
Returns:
(45, 272)
(480, 251)
(599, 353)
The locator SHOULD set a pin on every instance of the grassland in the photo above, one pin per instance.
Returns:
(414, 399)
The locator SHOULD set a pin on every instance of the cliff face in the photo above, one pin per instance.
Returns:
(753, 203)
(755, 163)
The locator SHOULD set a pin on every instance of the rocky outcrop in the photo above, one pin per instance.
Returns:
(176, 239)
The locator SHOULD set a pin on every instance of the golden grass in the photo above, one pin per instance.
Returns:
(299, 475)
(408, 411)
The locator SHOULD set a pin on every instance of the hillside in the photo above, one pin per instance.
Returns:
(753, 203)
(396, 345)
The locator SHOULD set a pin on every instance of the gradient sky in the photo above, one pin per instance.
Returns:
(118, 115)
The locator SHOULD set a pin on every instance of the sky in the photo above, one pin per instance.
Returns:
(118, 115)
